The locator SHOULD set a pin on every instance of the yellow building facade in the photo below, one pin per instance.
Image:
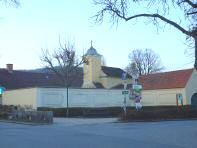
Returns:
(98, 76)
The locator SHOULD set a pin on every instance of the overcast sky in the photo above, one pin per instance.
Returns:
(38, 24)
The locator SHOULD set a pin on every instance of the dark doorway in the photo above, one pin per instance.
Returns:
(194, 99)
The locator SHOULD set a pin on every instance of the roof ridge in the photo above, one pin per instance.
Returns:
(20, 70)
(179, 70)
(168, 72)
(112, 67)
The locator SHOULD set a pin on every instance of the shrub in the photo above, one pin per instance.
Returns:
(85, 112)
(160, 113)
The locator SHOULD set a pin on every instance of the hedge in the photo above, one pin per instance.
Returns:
(85, 112)
(161, 113)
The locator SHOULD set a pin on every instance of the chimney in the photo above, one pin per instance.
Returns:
(9, 68)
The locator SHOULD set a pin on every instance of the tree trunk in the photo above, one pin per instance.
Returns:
(67, 85)
(195, 65)
(67, 108)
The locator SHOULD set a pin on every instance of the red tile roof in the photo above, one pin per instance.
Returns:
(166, 80)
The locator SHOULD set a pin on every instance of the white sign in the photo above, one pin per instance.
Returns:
(137, 87)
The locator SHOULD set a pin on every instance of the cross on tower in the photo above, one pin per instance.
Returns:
(91, 43)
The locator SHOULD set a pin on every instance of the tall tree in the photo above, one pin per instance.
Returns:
(64, 63)
(143, 62)
(155, 11)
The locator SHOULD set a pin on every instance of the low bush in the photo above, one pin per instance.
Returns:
(85, 112)
(5, 110)
(160, 113)
(147, 113)
(17, 113)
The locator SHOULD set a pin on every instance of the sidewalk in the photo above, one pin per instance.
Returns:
(83, 121)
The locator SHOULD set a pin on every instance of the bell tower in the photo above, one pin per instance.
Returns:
(91, 69)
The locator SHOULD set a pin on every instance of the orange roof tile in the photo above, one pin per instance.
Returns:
(166, 80)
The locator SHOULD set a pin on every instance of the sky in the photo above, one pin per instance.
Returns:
(37, 25)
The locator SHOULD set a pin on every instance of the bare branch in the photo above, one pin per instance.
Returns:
(47, 59)
(144, 62)
(114, 11)
(163, 19)
(63, 62)
(156, 11)
(15, 3)
(190, 13)
(192, 4)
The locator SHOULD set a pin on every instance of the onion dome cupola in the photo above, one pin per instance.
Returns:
(92, 51)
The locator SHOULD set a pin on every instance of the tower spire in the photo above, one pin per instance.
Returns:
(91, 43)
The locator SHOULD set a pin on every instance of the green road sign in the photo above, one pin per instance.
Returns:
(2, 89)
(124, 92)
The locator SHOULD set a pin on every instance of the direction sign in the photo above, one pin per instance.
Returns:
(124, 76)
(124, 92)
(137, 87)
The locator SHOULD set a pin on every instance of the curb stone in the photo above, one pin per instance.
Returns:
(24, 123)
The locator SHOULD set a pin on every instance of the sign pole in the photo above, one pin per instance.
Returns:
(124, 78)
(125, 98)
(125, 105)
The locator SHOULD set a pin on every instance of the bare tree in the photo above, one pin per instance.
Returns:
(64, 63)
(144, 62)
(155, 11)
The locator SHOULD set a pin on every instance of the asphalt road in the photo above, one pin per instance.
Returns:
(100, 133)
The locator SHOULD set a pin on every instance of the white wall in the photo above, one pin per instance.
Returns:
(56, 97)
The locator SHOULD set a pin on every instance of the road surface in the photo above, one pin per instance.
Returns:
(100, 133)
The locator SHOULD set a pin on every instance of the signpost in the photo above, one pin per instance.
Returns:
(137, 96)
(124, 92)
(179, 97)
(136, 91)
